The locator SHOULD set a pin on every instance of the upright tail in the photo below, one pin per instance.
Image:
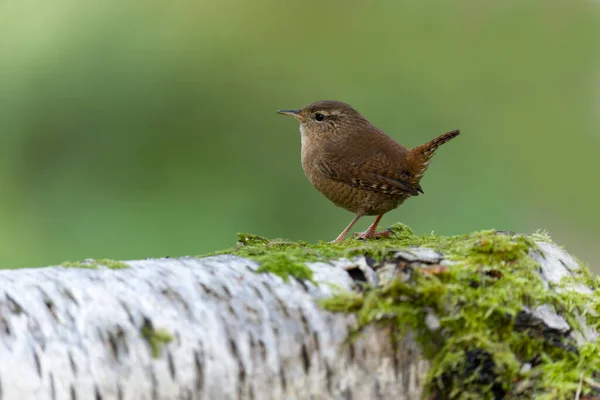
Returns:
(421, 155)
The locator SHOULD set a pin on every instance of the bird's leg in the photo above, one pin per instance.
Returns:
(371, 231)
(342, 235)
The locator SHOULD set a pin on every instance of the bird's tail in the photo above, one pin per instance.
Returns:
(421, 155)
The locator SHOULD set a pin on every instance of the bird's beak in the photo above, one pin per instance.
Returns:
(293, 113)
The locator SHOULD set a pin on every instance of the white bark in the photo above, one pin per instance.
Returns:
(72, 333)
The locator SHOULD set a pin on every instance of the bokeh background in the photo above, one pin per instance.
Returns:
(140, 129)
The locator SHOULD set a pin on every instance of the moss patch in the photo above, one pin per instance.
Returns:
(95, 264)
(481, 344)
(482, 348)
(288, 259)
(156, 338)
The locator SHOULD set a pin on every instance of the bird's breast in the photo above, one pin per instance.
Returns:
(309, 165)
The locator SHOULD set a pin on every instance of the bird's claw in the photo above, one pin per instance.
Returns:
(369, 234)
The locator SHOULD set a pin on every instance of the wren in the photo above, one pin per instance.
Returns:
(356, 165)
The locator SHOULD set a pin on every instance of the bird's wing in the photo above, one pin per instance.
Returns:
(368, 178)
(378, 167)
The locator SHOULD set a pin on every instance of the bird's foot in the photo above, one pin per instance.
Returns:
(369, 234)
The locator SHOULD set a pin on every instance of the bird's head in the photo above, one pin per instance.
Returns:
(326, 118)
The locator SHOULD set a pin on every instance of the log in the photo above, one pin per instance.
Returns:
(225, 327)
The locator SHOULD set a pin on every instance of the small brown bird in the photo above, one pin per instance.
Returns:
(356, 165)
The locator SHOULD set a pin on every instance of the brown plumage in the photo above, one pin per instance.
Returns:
(356, 165)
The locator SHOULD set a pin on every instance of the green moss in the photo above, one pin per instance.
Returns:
(156, 338)
(542, 236)
(288, 259)
(112, 264)
(95, 264)
(79, 264)
(586, 306)
(479, 347)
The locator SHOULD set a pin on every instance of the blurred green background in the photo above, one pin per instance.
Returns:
(140, 129)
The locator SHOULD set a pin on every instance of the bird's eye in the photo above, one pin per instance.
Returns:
(319, 117)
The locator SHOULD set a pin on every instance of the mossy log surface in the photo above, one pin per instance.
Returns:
(486, 315)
